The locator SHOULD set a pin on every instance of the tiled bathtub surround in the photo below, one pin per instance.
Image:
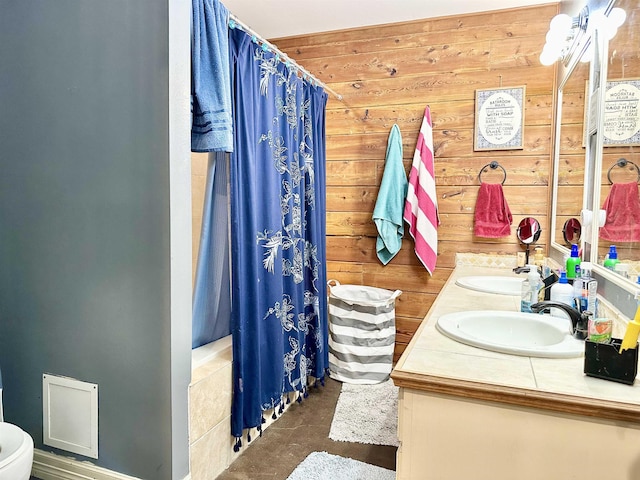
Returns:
(210, 440)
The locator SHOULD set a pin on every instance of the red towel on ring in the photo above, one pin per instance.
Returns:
(623, 214)
(492, 216)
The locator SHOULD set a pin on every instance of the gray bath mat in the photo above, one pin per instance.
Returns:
(367, 414)
(322, 465)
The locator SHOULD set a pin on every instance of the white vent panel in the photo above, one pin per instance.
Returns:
(70, 415)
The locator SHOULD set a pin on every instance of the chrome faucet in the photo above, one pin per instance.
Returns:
(579, 320)
(525, 269)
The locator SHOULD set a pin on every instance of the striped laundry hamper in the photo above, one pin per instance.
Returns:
(362, 333)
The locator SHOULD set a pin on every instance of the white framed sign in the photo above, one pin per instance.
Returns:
(621, 113)
(499, 119)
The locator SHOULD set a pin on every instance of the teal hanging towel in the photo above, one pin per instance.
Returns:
(389, 208)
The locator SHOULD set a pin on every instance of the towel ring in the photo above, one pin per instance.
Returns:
(493, 165)
(622, 162)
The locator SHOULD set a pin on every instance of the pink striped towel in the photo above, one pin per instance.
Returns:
(421, 205)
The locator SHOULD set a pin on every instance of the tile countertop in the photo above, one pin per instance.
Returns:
(433, 362)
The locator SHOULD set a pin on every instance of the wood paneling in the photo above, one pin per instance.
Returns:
(387, 75)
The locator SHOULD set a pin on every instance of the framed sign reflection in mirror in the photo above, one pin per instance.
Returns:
(622, 113)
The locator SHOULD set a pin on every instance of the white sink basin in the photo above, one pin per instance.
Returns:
(492, 284)
(528, 334)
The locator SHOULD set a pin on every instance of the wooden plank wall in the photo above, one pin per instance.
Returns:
(388, 74)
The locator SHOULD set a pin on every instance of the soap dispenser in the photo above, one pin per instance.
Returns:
(530, 288)
(572, 261)
(538, 257)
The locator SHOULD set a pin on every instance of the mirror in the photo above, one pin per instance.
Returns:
(570, 148)
(528, 232)
(571, 231)
(621, 145)
(607, 111)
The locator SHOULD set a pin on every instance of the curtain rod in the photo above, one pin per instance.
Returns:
(284, 58)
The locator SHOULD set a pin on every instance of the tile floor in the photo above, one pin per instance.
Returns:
(303, 429)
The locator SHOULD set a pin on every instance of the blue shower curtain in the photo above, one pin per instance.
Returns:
(279, 318)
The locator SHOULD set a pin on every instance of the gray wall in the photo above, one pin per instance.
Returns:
(85, 252)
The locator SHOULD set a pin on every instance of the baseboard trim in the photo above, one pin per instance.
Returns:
(48, 466)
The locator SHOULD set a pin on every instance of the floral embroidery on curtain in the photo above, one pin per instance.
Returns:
(279, 319)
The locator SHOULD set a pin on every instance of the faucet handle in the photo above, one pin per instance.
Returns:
(527, 269)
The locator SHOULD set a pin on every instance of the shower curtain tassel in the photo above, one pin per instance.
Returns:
(238, 444)
(263, 419)
(299, 399)
(288, 398)
(322, 381)
(306, 392)
(281, 410)
(315, 384)
(274, 416)
(260, 429)
(249, 436)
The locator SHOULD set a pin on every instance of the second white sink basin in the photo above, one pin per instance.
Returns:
(492, 284)
(516, 333)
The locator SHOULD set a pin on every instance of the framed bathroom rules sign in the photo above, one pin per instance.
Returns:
(499, 119)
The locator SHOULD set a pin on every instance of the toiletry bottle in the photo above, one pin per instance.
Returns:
(530, 288)
(589, 290)
(577, 287)
(572, 261)
(538, 257)
(612, 258)
(561, 292)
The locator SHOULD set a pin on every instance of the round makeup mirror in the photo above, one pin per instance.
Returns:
(571, 231)
(529, 230)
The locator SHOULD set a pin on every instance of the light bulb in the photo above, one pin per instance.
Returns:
(561, 22)
(617, 16)
(556, 36)
(553, 48)
(610, 31)
(548, 56)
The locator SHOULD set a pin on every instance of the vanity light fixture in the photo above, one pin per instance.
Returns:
(563, 36)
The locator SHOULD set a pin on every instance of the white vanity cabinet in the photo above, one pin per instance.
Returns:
(471, 414)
